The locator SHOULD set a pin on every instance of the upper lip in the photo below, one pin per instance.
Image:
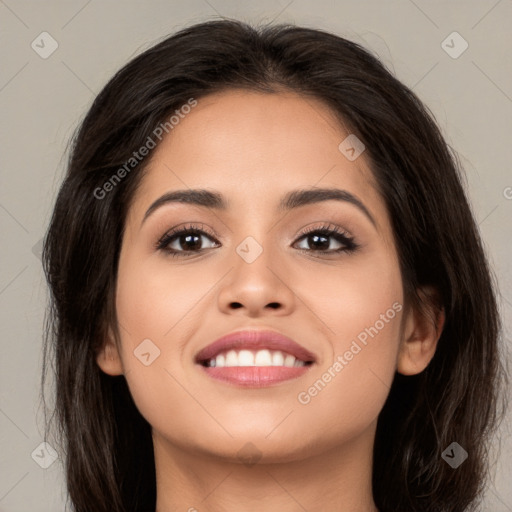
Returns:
(256, 340)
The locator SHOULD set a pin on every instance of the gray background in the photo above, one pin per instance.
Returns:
(43, 100)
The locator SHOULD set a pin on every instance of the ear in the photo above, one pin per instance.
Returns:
(108, 358)
(421, 332)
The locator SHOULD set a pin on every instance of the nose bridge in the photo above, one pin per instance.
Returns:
(254, 283)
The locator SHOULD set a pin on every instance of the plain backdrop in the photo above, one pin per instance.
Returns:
(42, 100)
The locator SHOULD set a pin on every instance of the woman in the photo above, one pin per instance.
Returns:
(268, 289)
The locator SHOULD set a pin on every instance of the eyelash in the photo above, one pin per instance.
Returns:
(326, 230)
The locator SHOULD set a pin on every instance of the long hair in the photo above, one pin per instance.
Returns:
(107, 444)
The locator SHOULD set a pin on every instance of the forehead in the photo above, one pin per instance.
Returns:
(255, 147)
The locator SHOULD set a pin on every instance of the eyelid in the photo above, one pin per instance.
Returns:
(188, 226)
(325, 226)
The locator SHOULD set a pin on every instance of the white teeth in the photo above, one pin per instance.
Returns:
(289, 360)
(263, 358)
(231, 358)
(245, 358)
(277, 359)
(255, 358)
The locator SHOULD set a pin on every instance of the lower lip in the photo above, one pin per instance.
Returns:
(255, 376)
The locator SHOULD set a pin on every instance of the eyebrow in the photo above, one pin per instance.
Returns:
(291, 200)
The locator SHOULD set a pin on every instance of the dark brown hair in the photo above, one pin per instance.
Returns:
(106, 442)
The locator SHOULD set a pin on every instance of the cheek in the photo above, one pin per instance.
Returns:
(152, 297)
(361, 311)
(363, 293)
(159, 301)
(366, 307)
(153, 306)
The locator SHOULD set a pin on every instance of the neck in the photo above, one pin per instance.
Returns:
(337, 480)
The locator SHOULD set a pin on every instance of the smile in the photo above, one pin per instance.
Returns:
(260, 358)
(254, 358)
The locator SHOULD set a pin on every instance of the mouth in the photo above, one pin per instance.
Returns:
(254, 359)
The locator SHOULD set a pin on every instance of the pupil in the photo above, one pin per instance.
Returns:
(321, 244)
(188, 240)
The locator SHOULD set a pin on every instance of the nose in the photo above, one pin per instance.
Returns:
(256, 287)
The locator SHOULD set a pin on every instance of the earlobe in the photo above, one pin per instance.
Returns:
(108, 358)
(420, 335)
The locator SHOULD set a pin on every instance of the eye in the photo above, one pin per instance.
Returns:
(186, 240)
(189, 239)
(327, 239)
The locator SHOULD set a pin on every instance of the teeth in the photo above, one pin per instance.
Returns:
(278, 359)
(231, 359)
(263, 358)
(245, 358)
(289, 360)
(255, 358)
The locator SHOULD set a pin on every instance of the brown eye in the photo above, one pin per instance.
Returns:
(185, 241)
(327, 240)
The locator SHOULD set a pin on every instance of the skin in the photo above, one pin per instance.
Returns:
(253, 148)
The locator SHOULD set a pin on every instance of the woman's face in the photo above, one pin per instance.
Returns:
(255, 269)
